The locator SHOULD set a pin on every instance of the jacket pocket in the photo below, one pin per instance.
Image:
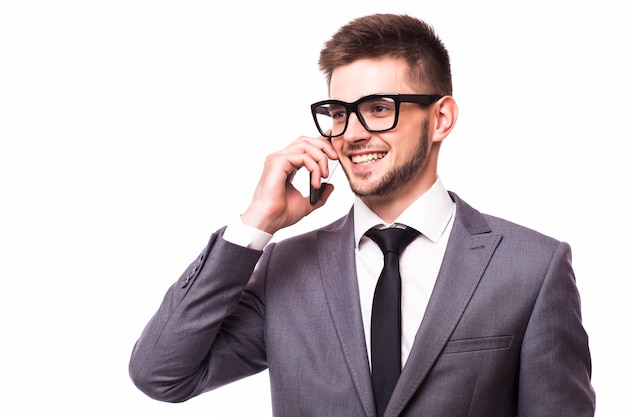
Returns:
(478, 344)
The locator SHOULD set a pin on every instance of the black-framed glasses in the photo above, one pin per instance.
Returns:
(376, 112)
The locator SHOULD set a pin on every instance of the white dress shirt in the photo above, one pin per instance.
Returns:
(432, 214)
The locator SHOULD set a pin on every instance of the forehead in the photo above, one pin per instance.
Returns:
(369, 76)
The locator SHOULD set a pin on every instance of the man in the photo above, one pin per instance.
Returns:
(488, 321)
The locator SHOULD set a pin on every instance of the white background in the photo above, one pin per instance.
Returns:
(130, 130)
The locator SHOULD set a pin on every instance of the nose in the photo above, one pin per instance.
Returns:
(355, 131)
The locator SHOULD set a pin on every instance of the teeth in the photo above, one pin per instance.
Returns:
(367, 158)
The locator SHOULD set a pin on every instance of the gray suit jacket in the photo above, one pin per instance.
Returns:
(501, 336)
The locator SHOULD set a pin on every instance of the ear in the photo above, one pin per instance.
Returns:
(446, 112)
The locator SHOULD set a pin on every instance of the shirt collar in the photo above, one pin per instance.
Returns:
(429, 214)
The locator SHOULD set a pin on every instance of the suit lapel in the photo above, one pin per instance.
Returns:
(470, 247)
(335, 246)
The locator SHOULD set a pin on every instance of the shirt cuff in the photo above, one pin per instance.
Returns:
(246, 236)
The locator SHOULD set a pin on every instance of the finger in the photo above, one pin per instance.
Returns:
(321, 156)
(305, 154)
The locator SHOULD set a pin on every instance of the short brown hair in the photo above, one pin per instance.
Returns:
(394, 36)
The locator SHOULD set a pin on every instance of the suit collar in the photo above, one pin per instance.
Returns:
(470, 248)
(335, 246)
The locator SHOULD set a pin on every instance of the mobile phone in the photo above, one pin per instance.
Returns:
(315, 193)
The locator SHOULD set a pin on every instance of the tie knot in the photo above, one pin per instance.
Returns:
(392, 239)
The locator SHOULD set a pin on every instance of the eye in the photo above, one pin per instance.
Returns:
(378, 107)
(337, 112)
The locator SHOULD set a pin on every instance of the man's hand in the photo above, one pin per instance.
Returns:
(276, 202)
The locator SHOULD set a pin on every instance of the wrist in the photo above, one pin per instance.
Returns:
(259, 222)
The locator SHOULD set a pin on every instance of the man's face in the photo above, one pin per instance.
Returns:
(385, 164)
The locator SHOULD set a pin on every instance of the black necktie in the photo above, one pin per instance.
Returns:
(386, 319)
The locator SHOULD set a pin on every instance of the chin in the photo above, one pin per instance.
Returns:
(370, 190)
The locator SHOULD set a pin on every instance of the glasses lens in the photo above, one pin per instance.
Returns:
(330, 118)
(378, 113)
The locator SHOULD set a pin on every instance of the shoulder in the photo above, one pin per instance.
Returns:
(528, 245)
(341, 226)
(477, 222)
(521, 254)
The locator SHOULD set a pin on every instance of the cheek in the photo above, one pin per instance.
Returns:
(405, 147)
(337, 144)
(413, 139)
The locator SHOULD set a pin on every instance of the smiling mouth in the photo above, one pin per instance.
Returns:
(367, 158)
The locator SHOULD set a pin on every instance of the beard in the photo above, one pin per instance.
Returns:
(399, 175)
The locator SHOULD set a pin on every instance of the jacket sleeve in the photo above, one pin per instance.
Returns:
(202, 336)
(555, 363)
